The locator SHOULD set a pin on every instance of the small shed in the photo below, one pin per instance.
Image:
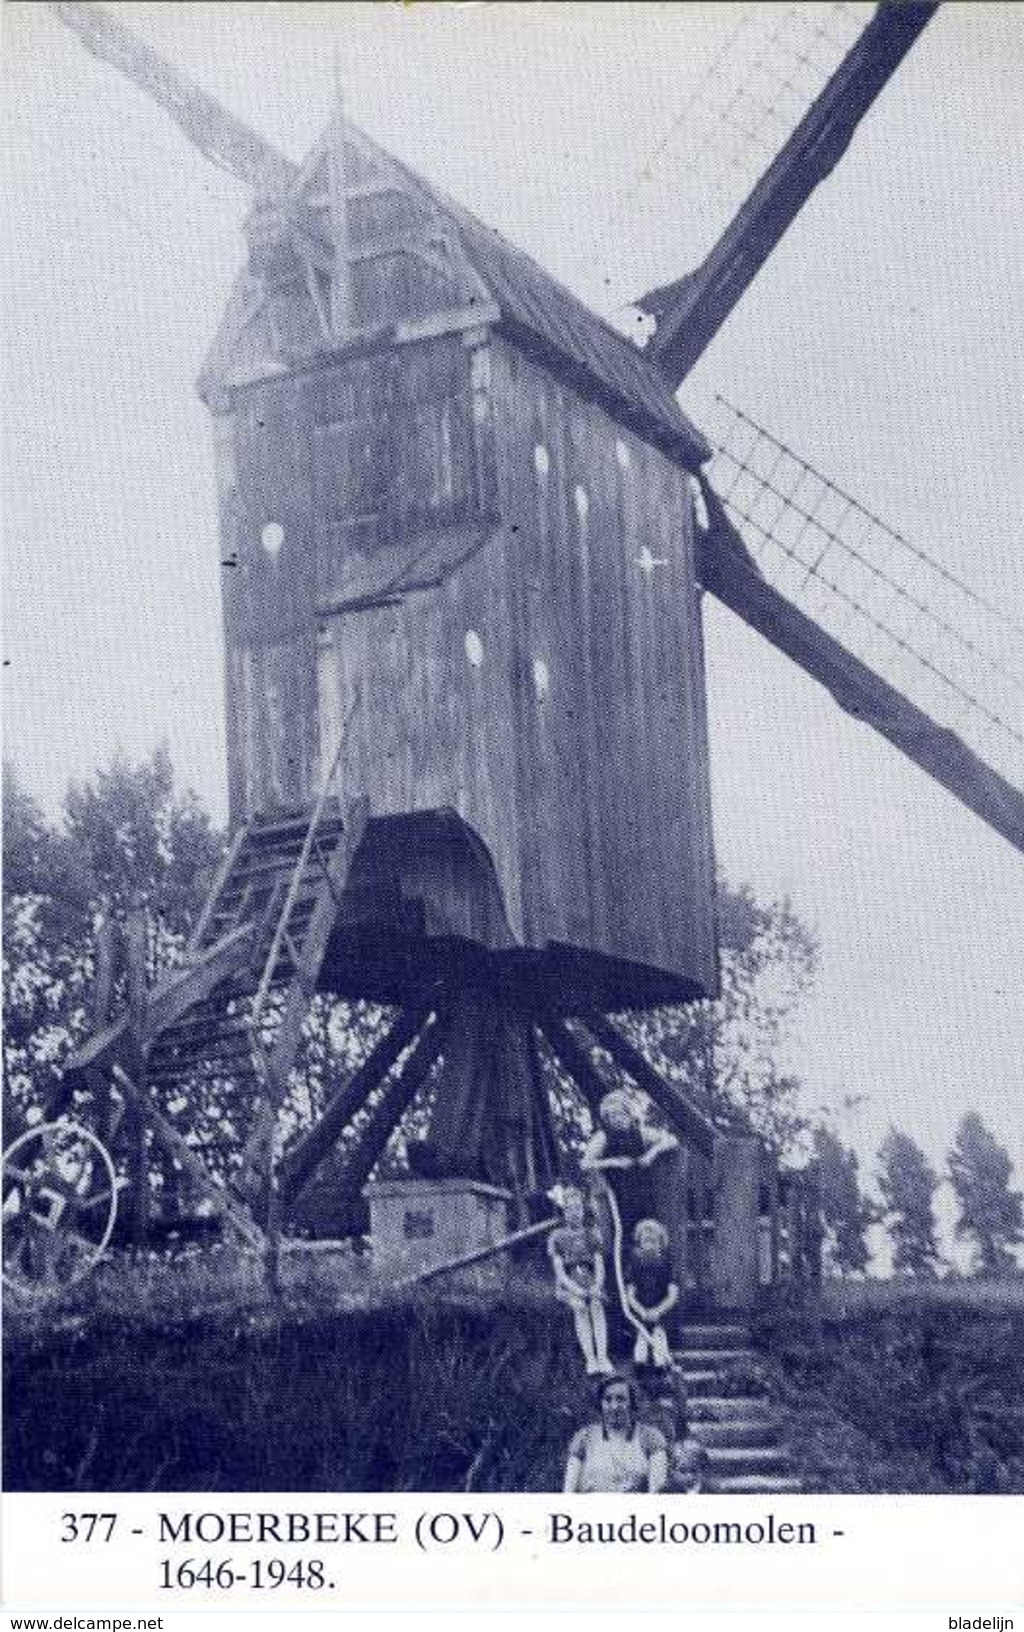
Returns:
(458, 546)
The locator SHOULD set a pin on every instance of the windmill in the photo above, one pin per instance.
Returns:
(403, 339)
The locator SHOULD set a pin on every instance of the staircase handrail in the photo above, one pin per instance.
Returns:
(266, 979)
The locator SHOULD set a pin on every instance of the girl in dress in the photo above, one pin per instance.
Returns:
(651, 1292)
(576, 1252)
(623, 1151)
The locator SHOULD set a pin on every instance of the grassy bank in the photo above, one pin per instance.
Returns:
(903, 1388)
(422, 1396)
(187, 1376)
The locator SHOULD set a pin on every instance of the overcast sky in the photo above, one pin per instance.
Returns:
(883, 341)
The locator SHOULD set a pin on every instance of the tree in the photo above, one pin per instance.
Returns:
(991, 1214)
(729, 1054)
(126, 836)
(845, 1210)
(907, 1184)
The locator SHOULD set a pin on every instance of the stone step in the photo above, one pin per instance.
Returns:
(714, 1337)
(702, 1359)
(757, 1484)
(740, 1431)
(720, 1408)
(705, 1379)
(700, 1382)
(739, 1459)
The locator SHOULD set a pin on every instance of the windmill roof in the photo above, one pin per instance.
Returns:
(539, 313)
(534, 305)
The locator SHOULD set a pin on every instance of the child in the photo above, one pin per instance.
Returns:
(575, 1250)
(651, 1292)
(688, 1461)
(623, 1150)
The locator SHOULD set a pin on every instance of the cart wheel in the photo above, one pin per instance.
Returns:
(59, 1206)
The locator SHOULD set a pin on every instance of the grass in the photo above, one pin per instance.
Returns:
(218, 1283)
(224, 1283)
(920, 1393)
(414, 1396)
(844, 1299)
(183, 1373)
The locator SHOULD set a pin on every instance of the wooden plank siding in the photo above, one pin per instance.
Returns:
(269, 602)
(478, 614)
(612, 763)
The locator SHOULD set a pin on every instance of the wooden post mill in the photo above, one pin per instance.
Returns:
(465, 528)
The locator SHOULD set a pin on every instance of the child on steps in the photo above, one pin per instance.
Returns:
(651, 1292)
(576, 1252)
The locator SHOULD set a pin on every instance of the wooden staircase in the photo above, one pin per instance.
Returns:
(731, 1414)
(267, 880)
(235, 1010)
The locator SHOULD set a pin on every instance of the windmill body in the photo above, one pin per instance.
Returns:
(459, 545)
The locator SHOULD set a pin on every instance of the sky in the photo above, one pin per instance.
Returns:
(883, 341)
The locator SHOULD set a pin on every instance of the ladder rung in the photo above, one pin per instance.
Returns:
(296, 826)
(299, 921)
(238, 1070)
(197, 1037)
(276, 861)
(215, 1007)
(202, 1035)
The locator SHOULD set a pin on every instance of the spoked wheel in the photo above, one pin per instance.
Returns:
(59, 1207)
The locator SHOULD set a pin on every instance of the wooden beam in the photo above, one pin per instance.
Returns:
(341, 314)
(223, 873)
(726, 568)
(104, 968)
(314, 944)
(301, 1162)
(313, 288)
(136, 945)
(390, 1108)
(465, 1259)
(547, 1143)
(465, 1082)
(577, 1062)
(170, 999)
(515, 1111)
(176, 1146)
(690, 311)
(273, 1072)
(692, 1126)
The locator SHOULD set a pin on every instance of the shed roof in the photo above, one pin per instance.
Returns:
(536, 311)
